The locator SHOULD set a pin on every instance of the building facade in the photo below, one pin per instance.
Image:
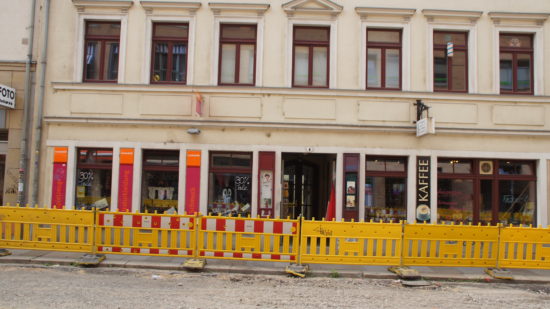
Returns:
(15, 93)
(267, 108)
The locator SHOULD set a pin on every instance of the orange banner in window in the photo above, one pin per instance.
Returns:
(126, 156)
(60, 154)
(194, 158)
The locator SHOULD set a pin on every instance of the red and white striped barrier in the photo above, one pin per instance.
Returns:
(143, 233)
(247, 242)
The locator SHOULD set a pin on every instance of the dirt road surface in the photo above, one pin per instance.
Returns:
(72, 287)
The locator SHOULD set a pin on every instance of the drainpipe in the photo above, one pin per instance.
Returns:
(40, 106)
(23, 160)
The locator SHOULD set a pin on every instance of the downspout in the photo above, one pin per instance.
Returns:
(23, 160)
(40, 106)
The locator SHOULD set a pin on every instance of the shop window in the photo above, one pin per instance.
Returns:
(311, 57)
(486, 191)
(169, 53)
(383, 59)
(516, 63)
(230, 183)
(237, 54)
(101, 51)
(93, 178)
(159, 189)
(450, 61)
(386, 189)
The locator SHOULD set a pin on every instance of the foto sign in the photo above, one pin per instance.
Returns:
(7, 96)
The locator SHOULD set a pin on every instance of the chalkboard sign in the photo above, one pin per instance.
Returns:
(85, 177)
(242, 188)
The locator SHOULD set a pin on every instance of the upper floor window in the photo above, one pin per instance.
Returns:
(237, 54)
(311, 57)
(450, 61)
(169, 53)
(516, 63)
(102, 51)
(383, 59)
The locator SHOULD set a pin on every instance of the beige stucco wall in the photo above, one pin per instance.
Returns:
(275, 115)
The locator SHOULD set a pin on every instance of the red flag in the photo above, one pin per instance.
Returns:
(331, 205)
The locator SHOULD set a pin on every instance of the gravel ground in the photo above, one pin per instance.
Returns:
(71, 287)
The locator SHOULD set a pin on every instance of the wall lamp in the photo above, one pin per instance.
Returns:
(194, 131)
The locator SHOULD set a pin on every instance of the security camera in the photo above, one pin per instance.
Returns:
(193, 131)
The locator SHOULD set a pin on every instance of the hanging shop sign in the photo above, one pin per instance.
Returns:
(7, 96)
(423, 211)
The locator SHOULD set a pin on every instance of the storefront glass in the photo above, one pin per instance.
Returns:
(455, 200)
(159, 190)
(385, 189)
(486, 191)
(230, 183)
(93, 178)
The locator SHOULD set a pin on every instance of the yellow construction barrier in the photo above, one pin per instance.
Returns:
(145, 234)
(331, 242)
(254, 239)
(450, 245)
(524, 247)
(46, 229)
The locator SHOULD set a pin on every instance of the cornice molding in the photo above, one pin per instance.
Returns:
(506, 17)
(150, 6)
(366, 12)
(317, 7)
(122, 5)
(219, 8)
(465, 16)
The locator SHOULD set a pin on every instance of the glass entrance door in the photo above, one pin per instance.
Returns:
(298, 189)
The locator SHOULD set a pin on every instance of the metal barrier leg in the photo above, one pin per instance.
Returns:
(195, 263)
(402, 271)
(298, 269)
(497, 272)
(92, 259)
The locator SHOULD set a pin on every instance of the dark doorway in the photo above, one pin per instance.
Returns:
(306, 184)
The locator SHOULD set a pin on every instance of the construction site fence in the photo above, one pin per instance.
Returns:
(274, 240)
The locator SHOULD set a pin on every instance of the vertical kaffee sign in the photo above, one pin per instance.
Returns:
(423, 211)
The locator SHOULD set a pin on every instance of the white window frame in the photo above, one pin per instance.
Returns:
(538, 52)
(405, 28)
(333, 24)
(150, 20)
(258, 21)
(472, 53)
(80, 37)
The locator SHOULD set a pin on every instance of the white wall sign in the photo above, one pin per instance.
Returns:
(425, 126)
(7, 96)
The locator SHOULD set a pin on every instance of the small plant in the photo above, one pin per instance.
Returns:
(334, 274)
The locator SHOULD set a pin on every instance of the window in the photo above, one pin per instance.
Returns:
(237, 54)
(230, 183)
(516, 63)
(169, 63)
(93, 178)
(101, 51)
(386, 189)
(159, 189)
(383, 59)
(450, 61)
(311, 57)
(486, 191)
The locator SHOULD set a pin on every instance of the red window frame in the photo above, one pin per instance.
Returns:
(387, 174)
(238, 42)
(456, 47)
(515, 51)
(383, 47)
(310, 45)
(170, 41)
(102, 40)
(476, 177)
